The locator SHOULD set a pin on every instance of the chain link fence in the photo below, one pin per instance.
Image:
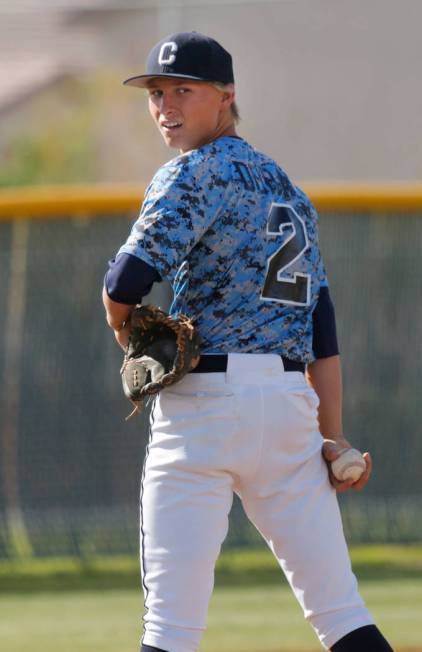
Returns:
(69, 463)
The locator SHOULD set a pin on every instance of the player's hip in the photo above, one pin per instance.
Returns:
(224, 419)
(227, 385)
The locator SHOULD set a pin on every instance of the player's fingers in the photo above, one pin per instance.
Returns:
(339, 485)
(344, 486)
(331, 449)
(330, 452)
(360, 484)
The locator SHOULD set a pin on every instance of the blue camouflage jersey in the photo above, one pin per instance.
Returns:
(239, 244)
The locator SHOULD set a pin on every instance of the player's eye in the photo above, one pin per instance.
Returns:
(183, 90)
(155, 93)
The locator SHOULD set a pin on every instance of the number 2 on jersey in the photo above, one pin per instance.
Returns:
(282, 283)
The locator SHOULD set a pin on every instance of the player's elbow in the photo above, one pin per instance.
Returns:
(115, 313)
(113, 322)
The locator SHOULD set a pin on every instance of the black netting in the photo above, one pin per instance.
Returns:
(70, 465)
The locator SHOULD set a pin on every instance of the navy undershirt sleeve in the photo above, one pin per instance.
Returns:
(324, 341)
(129, 278)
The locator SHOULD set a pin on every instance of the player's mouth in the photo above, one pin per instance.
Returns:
(170, 125)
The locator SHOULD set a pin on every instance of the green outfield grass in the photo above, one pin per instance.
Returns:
(243, 567)
(253, 619)
(96, 606)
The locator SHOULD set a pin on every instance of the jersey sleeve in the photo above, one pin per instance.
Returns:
(318, 267)
(180, 205)
(320, 270)
(324, 340)
(322, 274)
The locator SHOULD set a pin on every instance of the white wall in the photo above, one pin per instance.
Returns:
(331, 88)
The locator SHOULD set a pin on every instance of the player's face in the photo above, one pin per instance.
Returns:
(189, 114)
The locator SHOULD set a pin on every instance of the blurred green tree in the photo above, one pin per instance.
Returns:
(64, 134)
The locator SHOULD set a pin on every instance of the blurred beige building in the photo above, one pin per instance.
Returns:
(330, 88)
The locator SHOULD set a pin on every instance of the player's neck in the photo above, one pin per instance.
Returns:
(229, 131)
(226, 127)
(220, 132)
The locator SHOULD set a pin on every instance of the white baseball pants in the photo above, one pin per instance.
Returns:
(252, 430)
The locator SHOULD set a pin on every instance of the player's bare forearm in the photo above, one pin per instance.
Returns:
(116, 313)
(324, 375)
(116, 316)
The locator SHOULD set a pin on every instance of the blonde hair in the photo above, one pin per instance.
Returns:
(235, 112)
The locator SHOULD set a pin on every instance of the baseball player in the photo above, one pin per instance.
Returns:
(239, 243)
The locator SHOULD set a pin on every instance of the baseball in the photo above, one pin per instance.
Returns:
(349, 466)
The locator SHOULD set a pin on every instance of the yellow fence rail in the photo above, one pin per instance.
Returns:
(53, 201)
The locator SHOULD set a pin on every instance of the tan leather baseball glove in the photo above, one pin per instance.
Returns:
(161, 351)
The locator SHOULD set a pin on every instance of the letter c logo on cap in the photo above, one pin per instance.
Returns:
(167, 53)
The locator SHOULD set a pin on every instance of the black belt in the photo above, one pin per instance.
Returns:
(218, 362)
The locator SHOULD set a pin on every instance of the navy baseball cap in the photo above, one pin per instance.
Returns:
(187, 55)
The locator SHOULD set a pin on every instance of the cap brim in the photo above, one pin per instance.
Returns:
(141, 81)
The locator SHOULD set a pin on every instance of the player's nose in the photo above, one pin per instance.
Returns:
(166, 104)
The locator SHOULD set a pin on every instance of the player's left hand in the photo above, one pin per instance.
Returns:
(331, 450)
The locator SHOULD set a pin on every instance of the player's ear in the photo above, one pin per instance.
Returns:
(227, 95)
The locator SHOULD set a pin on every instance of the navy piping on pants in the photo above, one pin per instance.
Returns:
(143, 574)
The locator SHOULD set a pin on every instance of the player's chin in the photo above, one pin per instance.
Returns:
(182, 139)
(173, 138)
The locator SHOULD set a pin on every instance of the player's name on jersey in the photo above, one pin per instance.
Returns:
(263, 178)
